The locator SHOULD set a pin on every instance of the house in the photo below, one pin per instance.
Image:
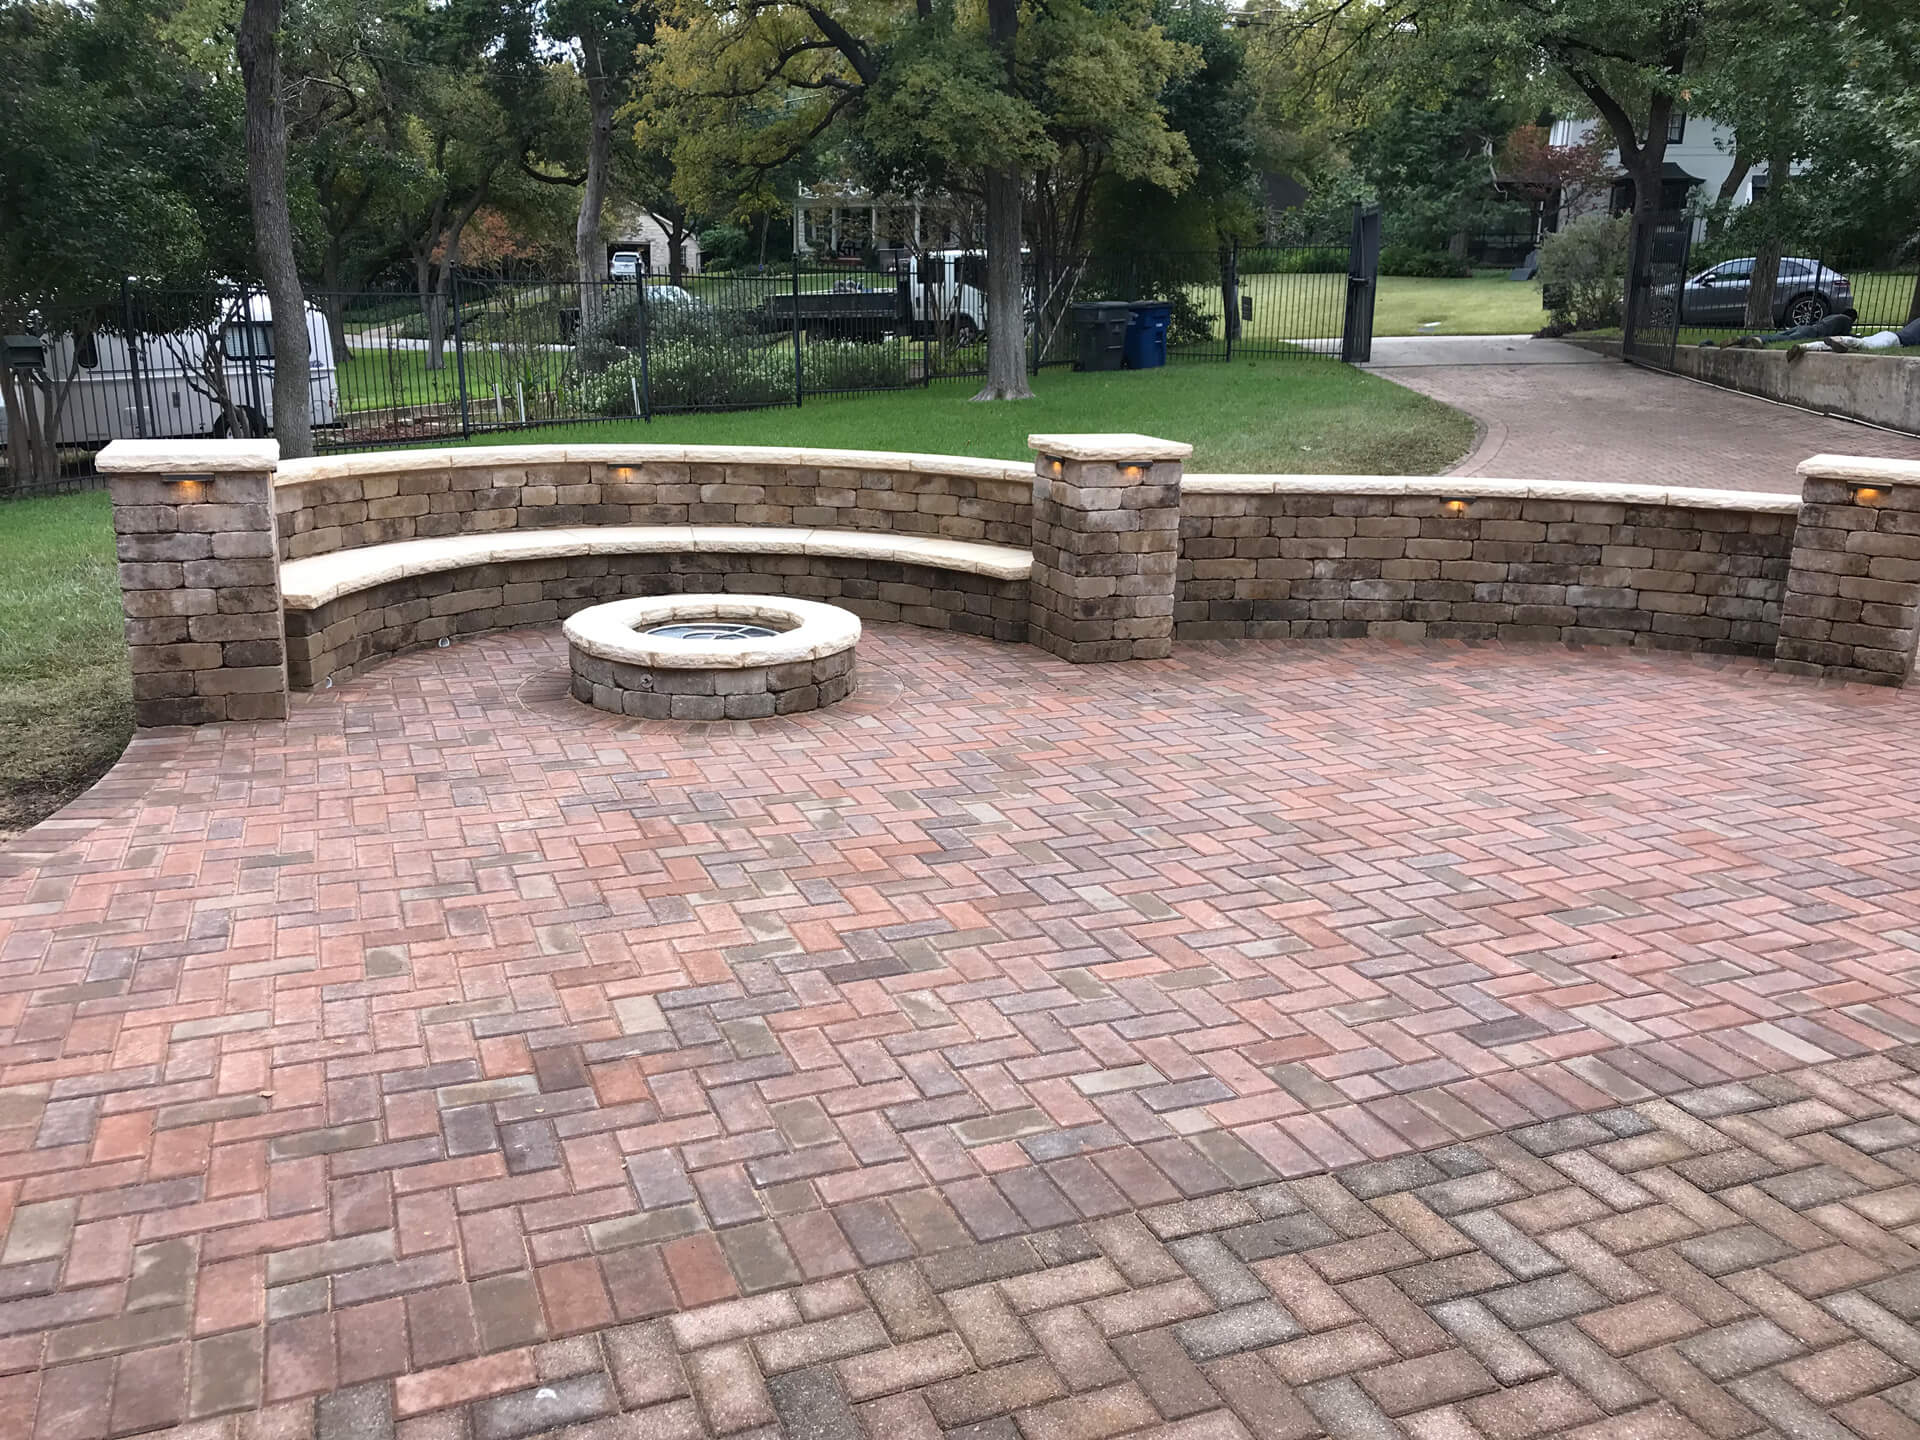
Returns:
(634, 229)
(1700, 156)
(843, 221)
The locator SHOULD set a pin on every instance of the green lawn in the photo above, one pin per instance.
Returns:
(1311, 306)
(66, 703)
(1249, 416)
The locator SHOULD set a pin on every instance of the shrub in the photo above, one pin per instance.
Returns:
(1312, 260)
(1583, 270)
(1406, 260)
(851, 365)
(700, 375)
(724, 247)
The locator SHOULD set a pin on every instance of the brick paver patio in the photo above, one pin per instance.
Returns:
(1277, 1040)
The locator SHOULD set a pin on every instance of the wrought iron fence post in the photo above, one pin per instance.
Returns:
(799, 383)
(646, 341)
(460, 359)
(1232, 295)
(133, 358)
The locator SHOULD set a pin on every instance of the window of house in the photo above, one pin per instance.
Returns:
(86, 353)
(1676, 127)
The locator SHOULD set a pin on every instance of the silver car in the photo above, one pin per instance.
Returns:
(1805, 291)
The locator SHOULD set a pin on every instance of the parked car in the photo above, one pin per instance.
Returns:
(1804, 291)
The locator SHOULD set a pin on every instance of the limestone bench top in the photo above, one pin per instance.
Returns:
(317, 579)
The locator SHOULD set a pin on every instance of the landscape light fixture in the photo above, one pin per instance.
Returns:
(1454, 507)
(1868, 494)
(1134, 472)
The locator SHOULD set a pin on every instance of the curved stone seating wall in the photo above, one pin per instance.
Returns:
(336, 637)
(343, 502)
(1293, 556)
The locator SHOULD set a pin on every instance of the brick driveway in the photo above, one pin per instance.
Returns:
(1547, 410)
(1278, 1040)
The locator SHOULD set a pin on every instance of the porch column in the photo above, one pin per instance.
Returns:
(199, 578)
(1106, 545)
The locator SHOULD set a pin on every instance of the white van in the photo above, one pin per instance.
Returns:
(154, 387)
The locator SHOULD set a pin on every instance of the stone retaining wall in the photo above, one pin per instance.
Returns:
(1879, 389)
(344, 502)
(1828, 584)
(1307, 556)
(338, 638)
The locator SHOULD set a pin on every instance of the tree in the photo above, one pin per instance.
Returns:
(1629, 62)
(259, 55)
(116, 165)
(927, 97)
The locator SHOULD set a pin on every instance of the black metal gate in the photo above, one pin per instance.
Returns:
(1656, 283)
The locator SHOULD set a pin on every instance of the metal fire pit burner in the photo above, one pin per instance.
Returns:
(711, 630)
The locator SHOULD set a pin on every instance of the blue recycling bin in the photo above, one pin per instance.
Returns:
(1146, 346)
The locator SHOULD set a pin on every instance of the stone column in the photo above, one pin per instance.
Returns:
(1106, 544)
(199, 578)
(1852, 608)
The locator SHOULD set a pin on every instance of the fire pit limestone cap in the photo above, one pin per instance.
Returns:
(616, 631)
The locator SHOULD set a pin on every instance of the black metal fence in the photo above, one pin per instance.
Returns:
(477, 357)
(1686, 289)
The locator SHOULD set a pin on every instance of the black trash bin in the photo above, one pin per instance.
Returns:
(1100, 334)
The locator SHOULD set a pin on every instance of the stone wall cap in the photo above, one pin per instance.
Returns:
(613, 631)
(189, 457)
(393, 462)
(1475, 487)
(317, 579)
(1861, 467)
(1109, 447)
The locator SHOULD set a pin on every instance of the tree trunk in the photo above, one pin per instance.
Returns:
(1006, 328)
(333, 302)
(676, 228)
(259, 55)
(1766, 264)
(589, 249)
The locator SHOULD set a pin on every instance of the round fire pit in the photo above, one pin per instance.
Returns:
(712, 657)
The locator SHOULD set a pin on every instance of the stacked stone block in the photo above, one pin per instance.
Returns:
(1106, 536)
(346, 502)
(1268, 558)
(200, 579)
(1852, 608)
(659, 692)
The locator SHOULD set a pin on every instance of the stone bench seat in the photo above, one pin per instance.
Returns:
(319, 579)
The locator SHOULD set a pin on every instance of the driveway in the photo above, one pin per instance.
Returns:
(1548, 410)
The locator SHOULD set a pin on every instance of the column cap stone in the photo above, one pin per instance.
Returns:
(1123, 448)
(189, 457)
(1861, 468)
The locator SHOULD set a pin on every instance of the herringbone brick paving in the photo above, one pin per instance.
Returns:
(1281, 1039)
